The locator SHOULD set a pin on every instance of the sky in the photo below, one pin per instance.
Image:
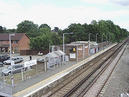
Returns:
(61, 13)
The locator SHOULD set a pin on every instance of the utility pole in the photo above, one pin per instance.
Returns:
(10, 45)
(96, 37)
(102, 41)
(89, 44)
(64, 43)
(12, 62)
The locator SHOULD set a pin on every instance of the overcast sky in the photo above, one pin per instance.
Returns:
(61, 13)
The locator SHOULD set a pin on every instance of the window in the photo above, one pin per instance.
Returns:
(15, 41)
(18, 66)
(72, 50)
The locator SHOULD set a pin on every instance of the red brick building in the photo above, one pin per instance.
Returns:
(19, 42)
(77, 50)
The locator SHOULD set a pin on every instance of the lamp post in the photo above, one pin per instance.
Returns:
(12, 77)
(10, 45)
(96, 37)
(108, 39)
(64, 43)
(102, 42)
(89, 43)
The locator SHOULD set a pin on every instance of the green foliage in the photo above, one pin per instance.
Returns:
(42, 42)
(44, 26)
(28, 27)
(2, 29)
(78, 32)
(44, 30)
(105, 31)
(42, 36)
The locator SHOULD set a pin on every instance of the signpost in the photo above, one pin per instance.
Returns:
(30, 63)
(27, 64)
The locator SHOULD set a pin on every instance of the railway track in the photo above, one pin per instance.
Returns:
(81, 89)
(79, 82)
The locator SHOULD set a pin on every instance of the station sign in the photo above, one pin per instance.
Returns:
(72, 55)
(30, 63)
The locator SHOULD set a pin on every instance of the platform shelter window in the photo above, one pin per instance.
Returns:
(72, 50)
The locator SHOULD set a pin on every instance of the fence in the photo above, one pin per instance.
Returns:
(32, 52)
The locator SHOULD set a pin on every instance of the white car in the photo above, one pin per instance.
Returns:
(15, 59)
(17, 68)
(1, 64)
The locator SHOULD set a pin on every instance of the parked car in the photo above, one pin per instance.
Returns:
(41, 60)
(4, 57)
(15, 59)
(1, 64)
(17, 68)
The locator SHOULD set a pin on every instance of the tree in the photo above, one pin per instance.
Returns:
(56, 29)
(11, 30)
(44, 30)
(42, 42)
(2, 29)
(44, 26)
(28, 27)
(78, 32)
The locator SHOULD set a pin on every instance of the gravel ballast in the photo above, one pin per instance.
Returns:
(118, 83)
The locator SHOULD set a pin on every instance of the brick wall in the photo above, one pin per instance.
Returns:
(80, 52)
(86, 51)
(4, 42)
(23, 44)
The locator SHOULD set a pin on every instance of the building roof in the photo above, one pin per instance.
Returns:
(52, 55)
(93, 43)
(80, 42)
(55, 54)
(5, 36)
(72, 44)
(59, 52)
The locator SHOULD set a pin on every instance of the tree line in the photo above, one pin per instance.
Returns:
(42, 36)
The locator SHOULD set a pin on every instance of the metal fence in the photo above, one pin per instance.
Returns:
(32, 52)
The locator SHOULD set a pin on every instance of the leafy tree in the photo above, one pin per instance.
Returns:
(42, 42)
(44, 30)
(56, 29)
(55, 38)
(11, 30)
(103, 29)
(78, 32)
(28, 27)
(2, 29)
(44, 26)
(41, 36)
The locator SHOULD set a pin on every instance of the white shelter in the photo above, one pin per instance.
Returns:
(54, 58)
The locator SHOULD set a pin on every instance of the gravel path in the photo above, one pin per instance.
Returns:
(119, 81)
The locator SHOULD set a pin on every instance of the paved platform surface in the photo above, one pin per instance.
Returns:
(55, 77)
(119, 81)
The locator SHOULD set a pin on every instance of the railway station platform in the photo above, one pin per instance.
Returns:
(28, 91)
